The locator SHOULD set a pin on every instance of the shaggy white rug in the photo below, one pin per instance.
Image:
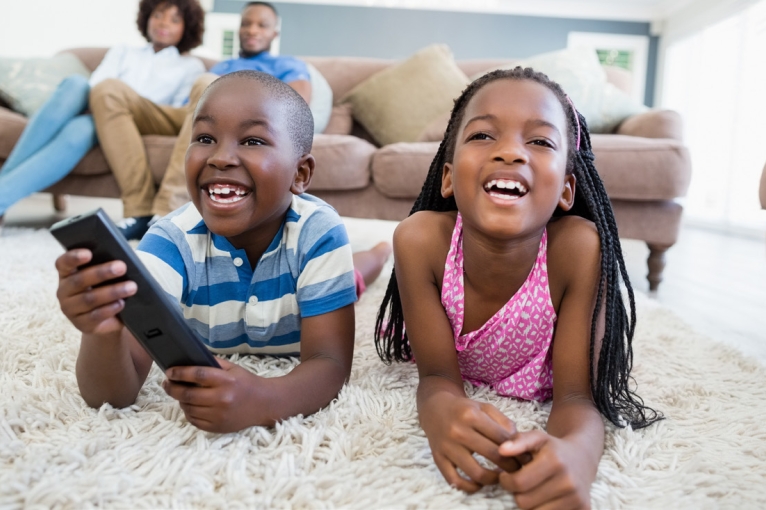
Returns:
(366, 450)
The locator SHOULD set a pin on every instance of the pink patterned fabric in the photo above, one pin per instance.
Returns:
(512, 351)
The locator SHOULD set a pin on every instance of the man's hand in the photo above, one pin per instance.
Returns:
(458, 427)
(92, 310)
(556, 477)
(216, 400)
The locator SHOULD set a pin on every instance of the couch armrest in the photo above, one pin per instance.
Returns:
(653, 124)
(11, 126)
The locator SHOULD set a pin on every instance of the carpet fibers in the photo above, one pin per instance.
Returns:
(365, 450)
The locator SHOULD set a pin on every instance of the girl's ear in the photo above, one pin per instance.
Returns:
(303, 174)
(566, 201)
(447, 190)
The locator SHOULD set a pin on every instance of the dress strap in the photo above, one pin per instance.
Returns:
(452, 295)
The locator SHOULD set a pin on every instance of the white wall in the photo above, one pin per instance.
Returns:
(40, 28)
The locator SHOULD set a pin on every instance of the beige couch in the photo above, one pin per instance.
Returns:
(644, 165)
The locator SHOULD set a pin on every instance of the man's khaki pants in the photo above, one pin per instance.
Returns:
(122, 117)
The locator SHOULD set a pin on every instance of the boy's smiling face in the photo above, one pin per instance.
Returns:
(242, 167)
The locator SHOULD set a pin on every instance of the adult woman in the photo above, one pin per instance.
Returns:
(61, 132)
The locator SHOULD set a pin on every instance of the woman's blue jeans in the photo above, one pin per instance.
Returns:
(56, 138)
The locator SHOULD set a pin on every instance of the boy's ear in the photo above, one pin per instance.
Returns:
(303, 174)
(447, 190)
(566, 201)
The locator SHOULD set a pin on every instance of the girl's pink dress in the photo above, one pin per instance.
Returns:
(511, 352)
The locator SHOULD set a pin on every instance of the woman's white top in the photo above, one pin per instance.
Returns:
(164, 77)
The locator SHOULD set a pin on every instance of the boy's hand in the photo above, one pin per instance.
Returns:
(458, 427)
(213, 399)
(92, 310)
(555, 477)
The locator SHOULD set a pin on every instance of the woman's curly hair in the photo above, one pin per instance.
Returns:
(190, 10)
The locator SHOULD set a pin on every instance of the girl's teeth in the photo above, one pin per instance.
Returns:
(504, 196)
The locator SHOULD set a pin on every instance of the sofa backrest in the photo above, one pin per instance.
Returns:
(344, 73)
(92, 57)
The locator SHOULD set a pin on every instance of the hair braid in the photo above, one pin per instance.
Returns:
(610, 383)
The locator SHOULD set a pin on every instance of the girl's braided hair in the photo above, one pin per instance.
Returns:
(610, 385)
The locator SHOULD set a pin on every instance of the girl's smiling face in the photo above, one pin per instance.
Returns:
(508, 172)
(165, 26)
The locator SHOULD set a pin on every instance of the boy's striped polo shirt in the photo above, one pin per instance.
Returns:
(307, 270)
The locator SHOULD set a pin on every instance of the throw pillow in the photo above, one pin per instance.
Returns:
(321, 99)
(25, 84)
(395, 104)
(580, 74)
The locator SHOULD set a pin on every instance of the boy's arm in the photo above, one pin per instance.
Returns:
(111, 365)
(111, 368)
(327, 348)
(456, 426)
(234, 398)
(565, 460)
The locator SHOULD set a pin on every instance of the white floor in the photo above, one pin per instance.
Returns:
(715, 282)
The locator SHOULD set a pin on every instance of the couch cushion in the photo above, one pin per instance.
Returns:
(634, 168)
(434, 131)
(341, 121)
(342, 162)
(321, 99)
(399, 169)
(582, 77)
(396, 104)
(91, 57)
(158, 151)
(26, 83)
(345, 73)
(653, 124)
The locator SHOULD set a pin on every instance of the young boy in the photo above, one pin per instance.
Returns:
(256, 265)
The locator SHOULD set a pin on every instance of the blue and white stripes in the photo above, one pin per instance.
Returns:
(307, 270)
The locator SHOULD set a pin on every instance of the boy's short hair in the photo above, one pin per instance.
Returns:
(300, 121)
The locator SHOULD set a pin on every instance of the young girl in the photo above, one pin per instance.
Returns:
(62, 132)
(508, 271)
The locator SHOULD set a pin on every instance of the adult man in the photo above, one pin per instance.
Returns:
(258, 29)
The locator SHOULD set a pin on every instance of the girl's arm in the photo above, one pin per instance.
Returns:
(565, 460)
(456, 426)
(234, 398)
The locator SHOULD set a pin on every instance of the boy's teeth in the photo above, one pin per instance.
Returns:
(226, 193)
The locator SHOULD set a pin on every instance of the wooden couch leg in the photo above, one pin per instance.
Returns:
(59, 202)
(656, 263)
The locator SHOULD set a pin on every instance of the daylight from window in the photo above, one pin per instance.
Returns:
(715, 79)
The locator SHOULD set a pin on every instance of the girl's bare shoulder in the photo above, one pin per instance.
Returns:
(426, 228)
(424, 237)
(572, 241)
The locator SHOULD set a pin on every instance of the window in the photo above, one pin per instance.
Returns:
(715, 79)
